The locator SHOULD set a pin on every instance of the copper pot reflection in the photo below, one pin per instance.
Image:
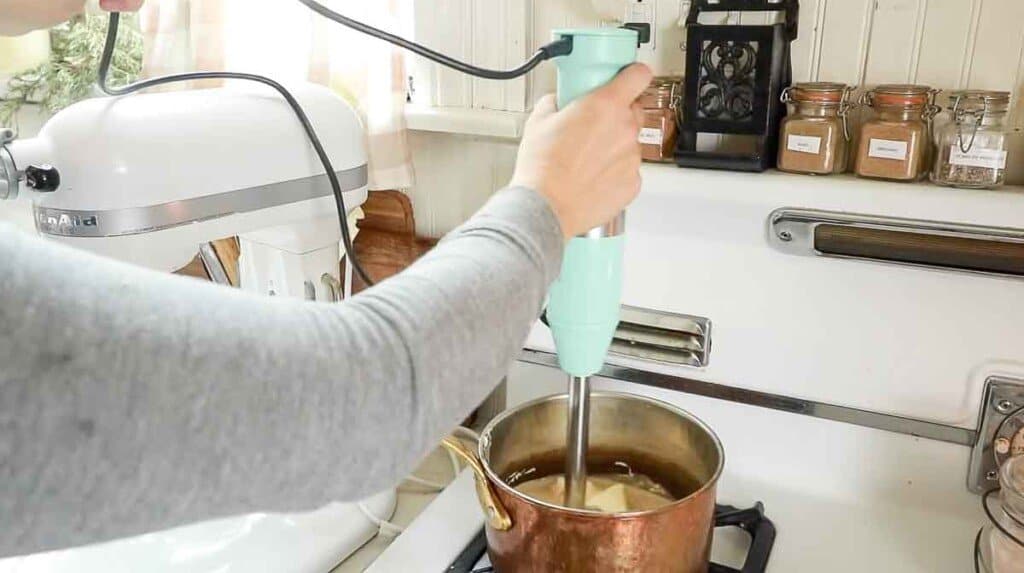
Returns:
(655, 438)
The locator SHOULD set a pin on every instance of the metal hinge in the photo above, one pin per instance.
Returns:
(1000, 434)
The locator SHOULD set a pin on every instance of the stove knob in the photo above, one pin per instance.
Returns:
(42, 178)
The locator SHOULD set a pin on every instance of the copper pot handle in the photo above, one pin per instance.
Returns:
(497, 516)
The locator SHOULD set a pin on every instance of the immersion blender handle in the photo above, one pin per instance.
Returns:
(583, 306)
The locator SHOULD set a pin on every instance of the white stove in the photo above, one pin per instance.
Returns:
(845, 390)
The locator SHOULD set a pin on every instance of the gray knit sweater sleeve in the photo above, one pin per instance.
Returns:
(132, 401)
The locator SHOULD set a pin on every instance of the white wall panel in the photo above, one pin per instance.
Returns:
(891, 41)
(945, 42)
(455, 175)
(997, 45)
(488, 33)
(846, 35)
(500, 33)
(1018, 112)
(453, 22)
(807, 47)
(949, 44)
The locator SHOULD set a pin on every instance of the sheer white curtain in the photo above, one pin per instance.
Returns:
(286, 41)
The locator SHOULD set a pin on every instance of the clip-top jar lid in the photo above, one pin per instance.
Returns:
(821, 92)
(662, 92)
(901, 95)
(980, 100)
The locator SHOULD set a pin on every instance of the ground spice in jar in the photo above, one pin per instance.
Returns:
(815, 137)
(661, 120)
(896, 143)
(972, 147)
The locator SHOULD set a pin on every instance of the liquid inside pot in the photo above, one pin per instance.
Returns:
(607, 493)
(617, 482)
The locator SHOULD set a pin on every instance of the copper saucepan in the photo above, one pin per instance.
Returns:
(652, 437)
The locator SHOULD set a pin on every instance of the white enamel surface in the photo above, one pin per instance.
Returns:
(282, 260)
(312, 542)
(439, 534)
(881, 337)
(149, 149)
(152, 149)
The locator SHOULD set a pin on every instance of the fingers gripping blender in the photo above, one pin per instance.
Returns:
(583, 305)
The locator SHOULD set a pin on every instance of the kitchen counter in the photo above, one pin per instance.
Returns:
(412, 500)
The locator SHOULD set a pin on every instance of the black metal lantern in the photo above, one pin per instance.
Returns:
(734, 79)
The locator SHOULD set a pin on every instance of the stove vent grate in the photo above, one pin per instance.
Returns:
(663, 337)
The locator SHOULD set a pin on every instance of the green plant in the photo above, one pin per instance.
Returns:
(70, 75)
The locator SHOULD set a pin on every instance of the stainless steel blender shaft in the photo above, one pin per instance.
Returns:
(577, 441)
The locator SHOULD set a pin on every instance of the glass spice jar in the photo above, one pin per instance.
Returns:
(660, 102)
(999, 547)
(815, 137)
(972, 146)
(896, 143)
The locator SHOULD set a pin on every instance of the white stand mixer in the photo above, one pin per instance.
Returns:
(150, 178)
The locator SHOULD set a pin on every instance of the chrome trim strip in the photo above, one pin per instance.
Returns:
(136, 220)
(791, 231)
(866, 418)
(214, 267)
(9, 176)
(613, 228)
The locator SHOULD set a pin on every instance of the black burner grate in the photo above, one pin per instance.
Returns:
(752, 521)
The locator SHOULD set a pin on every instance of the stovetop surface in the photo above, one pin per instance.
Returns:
(844, 499)
(752, 521)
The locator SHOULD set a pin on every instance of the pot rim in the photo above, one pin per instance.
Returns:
(500, 483)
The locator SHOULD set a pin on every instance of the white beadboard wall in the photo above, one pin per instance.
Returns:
(950, 44)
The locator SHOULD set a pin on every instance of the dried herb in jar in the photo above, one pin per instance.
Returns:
(972, 147)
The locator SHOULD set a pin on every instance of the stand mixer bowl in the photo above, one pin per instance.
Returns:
(653, 438)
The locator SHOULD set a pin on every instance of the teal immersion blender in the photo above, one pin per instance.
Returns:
(583, 305)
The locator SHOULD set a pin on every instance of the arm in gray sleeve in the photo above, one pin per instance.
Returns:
(132, 401)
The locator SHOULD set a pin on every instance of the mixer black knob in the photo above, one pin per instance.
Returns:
(42, 178)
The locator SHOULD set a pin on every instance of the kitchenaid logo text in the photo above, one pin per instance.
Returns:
(63, 223)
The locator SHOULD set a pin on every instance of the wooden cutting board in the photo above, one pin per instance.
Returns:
(387, 241)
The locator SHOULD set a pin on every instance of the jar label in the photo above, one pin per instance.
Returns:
(651, 136)
(988, 158)
(887, 149)
(804, 144)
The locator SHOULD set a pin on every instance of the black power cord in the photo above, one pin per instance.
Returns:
(560, 47)
(557, 48)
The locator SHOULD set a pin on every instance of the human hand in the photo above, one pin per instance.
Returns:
(585, 159)
(21, 16)
(121, 5)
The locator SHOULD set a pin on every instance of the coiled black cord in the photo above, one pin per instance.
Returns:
(988, 511)
(557, 48)
(997, 525)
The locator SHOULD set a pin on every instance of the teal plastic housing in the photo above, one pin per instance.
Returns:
(583, 305)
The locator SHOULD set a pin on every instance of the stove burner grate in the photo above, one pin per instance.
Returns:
(751, 520)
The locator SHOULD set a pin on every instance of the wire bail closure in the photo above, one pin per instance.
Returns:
(845, 104)
(960, 114)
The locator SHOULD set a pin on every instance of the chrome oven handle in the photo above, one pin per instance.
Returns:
(942, 245)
